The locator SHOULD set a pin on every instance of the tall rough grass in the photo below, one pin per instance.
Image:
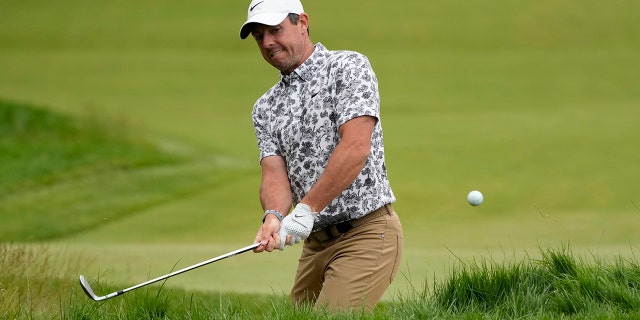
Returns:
(33, 283)
(558, 285)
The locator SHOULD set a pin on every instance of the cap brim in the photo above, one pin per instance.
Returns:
(267, 18)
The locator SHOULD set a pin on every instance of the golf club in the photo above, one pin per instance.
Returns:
(87, 288)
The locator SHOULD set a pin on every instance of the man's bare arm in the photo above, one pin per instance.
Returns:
(275, 194)
(275, 188)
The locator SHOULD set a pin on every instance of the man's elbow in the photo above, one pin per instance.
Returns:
(361, 150)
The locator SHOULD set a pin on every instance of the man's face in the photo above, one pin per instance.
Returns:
(284, 46)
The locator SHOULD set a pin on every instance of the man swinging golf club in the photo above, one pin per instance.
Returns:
(321, 152)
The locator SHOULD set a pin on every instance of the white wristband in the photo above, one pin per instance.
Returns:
(273, 212)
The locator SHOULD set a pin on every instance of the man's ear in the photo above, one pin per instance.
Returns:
(303, 20)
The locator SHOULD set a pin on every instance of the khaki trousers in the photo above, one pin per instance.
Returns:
(353, 270)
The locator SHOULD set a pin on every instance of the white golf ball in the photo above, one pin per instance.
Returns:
(475, 198)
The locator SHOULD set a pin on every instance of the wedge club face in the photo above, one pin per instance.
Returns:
(87, 289)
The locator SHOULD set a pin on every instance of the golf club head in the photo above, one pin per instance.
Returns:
(87, 289)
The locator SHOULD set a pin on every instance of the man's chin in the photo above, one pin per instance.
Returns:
(285, 69)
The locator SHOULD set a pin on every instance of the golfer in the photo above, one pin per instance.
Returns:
(322, 157)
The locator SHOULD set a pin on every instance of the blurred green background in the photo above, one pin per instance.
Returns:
(534, 103)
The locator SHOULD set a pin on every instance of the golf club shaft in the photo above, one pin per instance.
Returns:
(232, 253)
(203, 263)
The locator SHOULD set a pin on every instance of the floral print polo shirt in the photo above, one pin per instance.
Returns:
(298, 119)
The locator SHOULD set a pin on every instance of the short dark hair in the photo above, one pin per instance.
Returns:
(294, 18)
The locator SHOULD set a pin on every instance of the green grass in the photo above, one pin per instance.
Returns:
(43, 148)
(130, 140)
(62, 175)
(558, 285)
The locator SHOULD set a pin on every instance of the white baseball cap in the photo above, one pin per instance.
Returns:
(269, 12)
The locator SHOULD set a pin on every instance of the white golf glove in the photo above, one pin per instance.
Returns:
(298, 224)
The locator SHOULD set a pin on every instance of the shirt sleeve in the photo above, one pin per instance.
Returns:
(266, 144)
(356, 88)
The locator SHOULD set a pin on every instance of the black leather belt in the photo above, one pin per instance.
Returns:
(336, 230)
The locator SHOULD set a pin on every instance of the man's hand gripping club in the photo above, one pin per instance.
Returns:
(297, 224)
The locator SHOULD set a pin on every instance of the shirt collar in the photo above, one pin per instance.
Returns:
(308, 68)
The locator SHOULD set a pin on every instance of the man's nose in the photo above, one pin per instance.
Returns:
(267, 40)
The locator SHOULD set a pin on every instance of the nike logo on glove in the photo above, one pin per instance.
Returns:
(300, 223)
(298, 215)
(255, 5)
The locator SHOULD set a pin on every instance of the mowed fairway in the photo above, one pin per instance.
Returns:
(534, 103)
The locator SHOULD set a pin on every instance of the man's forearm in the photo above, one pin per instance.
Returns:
(275, 190)
(345, 163)
(342, 169)
(275, 197)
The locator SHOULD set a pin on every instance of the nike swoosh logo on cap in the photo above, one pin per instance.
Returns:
(255, 5)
